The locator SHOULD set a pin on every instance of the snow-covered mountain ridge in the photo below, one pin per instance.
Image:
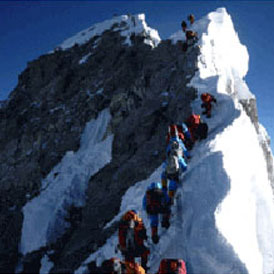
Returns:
(227, 220)
(112, 75)
(127, 25)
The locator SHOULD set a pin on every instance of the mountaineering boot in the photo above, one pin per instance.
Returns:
(154, 233)
(144, 261)
(165, 221)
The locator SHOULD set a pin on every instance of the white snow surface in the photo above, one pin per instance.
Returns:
(46, 265)
(223, 217)
(84, 59)
(65, 186)
(127, 25)
(223, 60)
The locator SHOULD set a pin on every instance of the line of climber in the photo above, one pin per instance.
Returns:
(116, 266)
(158, 199)
(191, 36)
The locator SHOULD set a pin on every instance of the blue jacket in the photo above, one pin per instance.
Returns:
(181, 144)
(186, 131)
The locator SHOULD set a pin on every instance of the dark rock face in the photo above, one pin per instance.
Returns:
(250, 107)
(45, 116)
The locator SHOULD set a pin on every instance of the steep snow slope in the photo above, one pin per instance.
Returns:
(249, 202)
(127, 25)
(44, 216)
(223, 218)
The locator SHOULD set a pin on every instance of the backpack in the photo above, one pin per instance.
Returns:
(175, 148)
(202, 130)
(193, 121)
(190, 34)
(129, 232)
(172, 164)
(133, 268)
(112, 266)
(172, 266)
(154, 201)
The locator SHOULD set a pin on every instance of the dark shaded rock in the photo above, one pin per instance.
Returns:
(46, 114)
(250, 107)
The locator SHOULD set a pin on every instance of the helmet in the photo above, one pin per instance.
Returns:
(155, 185)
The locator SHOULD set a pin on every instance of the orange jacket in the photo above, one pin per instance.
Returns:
(139, 229)
(133, 268)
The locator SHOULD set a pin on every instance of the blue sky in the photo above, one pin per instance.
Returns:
(31, 28)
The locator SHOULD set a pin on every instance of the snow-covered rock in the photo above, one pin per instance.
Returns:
(44, 216)
(127, 25)
(46, 265)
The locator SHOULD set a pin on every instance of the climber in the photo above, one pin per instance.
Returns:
(157, 202)
(116, 266)
(180, 130)
(172, 266)
(207, 100)
(184, 26)
(191, 18)
(172, 166)
(175, 142)
(132, 234)
(198, 130)
(191, 37)
(177, 147)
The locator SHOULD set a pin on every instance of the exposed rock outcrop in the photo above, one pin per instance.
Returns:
(45, 116)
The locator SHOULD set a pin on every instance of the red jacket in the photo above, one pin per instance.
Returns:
(193, 122)
(173, 131)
